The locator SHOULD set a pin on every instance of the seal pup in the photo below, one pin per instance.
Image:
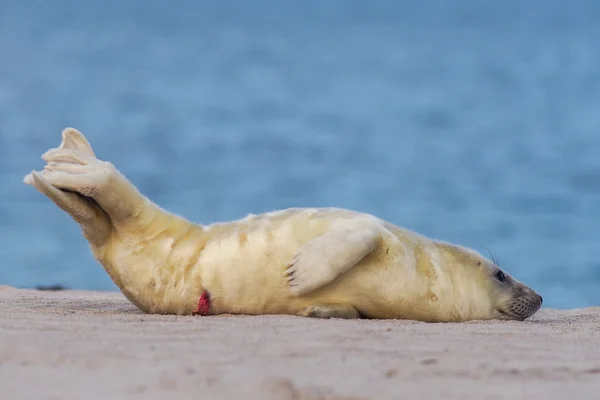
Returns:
(312, 262)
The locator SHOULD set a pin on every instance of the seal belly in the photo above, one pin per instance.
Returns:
(243, 263)
(243, 266)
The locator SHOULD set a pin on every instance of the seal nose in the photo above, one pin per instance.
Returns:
(541, 299)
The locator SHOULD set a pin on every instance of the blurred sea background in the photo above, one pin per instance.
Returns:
(472, 121)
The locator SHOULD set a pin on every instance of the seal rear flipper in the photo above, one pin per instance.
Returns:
(330, 311)
(74, 148)
(322, 259)
(92, 220)
(74, 167)
(75, 140)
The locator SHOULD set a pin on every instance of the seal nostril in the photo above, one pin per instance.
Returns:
(541, 299)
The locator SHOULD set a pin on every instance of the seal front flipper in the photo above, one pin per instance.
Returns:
(331, 311)
(322, 259)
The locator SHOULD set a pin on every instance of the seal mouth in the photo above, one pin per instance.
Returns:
(510, 317)
(521, 308)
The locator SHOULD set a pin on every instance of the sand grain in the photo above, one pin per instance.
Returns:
(94, 345)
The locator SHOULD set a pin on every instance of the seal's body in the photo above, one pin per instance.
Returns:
(323, 262)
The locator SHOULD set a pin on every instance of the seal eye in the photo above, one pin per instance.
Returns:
(500, 276)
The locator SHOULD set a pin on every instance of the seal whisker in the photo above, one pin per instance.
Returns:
(492, 256)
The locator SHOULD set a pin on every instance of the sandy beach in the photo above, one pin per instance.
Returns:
(96, 345)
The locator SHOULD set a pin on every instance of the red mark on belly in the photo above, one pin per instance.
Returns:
(203, 304)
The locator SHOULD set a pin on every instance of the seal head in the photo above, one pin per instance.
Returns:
(514, 300)
(511, 299)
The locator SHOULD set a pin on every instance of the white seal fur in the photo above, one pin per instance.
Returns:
(308, 262)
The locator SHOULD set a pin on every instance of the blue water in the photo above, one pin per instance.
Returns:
(476, 122)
